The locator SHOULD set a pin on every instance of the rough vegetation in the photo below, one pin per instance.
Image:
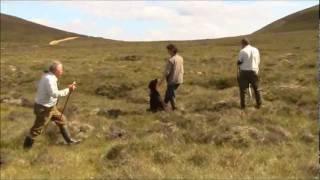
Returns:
(209, 137)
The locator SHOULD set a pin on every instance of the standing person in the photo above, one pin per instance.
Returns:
(45, 105)
(173, 74)
(248, 63)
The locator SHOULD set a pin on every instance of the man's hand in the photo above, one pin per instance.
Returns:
(72, 86)
(160, 82)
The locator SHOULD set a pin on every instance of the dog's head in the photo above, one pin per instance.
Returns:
(153, 85)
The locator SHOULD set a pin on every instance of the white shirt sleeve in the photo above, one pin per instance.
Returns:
(53, 89)
(258, 57)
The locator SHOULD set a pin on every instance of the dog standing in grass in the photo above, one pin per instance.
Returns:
(156, 103)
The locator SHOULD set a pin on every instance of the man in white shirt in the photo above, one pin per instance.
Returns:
(45, 105)
(248, 62)
(173, 73)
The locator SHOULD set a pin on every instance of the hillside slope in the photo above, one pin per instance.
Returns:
(307, 19)
(15, 29)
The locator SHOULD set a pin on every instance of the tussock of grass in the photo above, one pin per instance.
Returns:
(163, 157)
(223, 82)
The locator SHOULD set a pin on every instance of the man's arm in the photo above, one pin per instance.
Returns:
(53, 89)
(257, 60)
(166, 72)
(258, 57)
(240, 59)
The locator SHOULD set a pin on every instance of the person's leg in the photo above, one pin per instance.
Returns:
(65, 133)
(173, 98)
(242, 98)
(254, 80)
(170, 95)
(41, 121)
(61, 123)
(243, 85)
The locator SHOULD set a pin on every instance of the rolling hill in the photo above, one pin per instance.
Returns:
(307, 19)
(15, 29)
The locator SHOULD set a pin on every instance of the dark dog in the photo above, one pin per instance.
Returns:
(156, 103)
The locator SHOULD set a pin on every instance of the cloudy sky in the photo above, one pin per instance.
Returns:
(155, 20)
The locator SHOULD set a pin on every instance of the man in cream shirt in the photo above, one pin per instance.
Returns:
(45, 105)
(248, 62)
(173, 73)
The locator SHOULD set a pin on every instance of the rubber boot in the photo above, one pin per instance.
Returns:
(28, 142)
(66, 135)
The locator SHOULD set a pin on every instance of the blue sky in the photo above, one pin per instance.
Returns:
(155, 20)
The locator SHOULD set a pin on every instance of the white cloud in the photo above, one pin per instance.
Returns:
(113, 33)
(183, 19)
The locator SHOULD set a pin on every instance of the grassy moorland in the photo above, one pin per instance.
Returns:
(209, 137)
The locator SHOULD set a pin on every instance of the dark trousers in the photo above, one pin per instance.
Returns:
(170, 94)
(246, 78)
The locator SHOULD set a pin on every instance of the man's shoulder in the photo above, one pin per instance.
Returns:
(248, 49)
(172, 59)
(243, 51)
(49, 77)
(177, 57)
(253, 47)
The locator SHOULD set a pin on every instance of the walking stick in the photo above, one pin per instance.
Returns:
(65, 104)
(238, 74)
(250, 92)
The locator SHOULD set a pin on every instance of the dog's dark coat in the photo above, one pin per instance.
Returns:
(156, 103)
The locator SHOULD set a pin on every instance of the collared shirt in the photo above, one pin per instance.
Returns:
(174, 70)
(47, 92)
(249, 57)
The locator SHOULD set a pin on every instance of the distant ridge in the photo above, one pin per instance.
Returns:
(14, 29)
(307, 19)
